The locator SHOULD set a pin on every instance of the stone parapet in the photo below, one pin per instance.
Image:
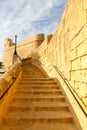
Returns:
(7, 79)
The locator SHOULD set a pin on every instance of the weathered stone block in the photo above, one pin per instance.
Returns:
(76, 75)
(73, 54)
(82, 49)
(81, 89)
(76, 64)
(84, 62)
(82, 35)
(84, 76)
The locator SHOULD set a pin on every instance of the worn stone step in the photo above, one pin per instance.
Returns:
(32, 108)
(41, 126)
(36, 90)
(55, 108)
(24, 95)
(38, 79)
(40, 103)
(44, 99)
(38, 82)
(28, 86)
(27, 93)
(37, 117)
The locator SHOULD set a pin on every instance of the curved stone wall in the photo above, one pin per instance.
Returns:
(67, 50)
(24, 49)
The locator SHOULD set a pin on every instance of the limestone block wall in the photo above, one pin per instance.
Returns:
(67, 49)
(24, 49)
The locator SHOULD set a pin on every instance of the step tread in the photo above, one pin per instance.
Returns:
(39, 115)
(28, 93)
(42, 126)
(39, 104)
(36, 96)
(52, 98)
(37, 108)
(28, 99)
(26, 86)
(37, 90)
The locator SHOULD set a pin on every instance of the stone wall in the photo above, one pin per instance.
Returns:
(7, 79)
(24, 49)
(67, 49)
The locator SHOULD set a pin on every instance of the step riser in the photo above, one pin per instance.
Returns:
(38, 93)
(37, 90)
(14, 121)
(37, 87)
(40, 84)
(59, 108)
(38, 79)
(38, 99)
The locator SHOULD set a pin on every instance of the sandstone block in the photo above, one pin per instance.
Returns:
(81, 89)
(84, 76)
(82, 35)
(84, 62)
(76, 75)
(73, 54)
(82, 49)
(76, 64)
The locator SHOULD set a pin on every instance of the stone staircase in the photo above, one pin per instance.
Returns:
(37, 103)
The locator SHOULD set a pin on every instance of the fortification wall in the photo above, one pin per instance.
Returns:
(67, 50)
(24, 49)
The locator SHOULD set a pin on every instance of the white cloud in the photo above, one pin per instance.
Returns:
(0, 56)
(28, 17)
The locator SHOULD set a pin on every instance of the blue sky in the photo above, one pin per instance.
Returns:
(28, 17)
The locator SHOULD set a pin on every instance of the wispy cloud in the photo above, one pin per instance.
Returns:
(28, 17)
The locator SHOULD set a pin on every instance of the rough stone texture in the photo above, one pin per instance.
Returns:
(24, 49)
(37, 102)
(68, 47)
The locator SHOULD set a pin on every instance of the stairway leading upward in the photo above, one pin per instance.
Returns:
(37, 103)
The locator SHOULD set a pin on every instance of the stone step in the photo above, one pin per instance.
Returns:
(37, 107)
(41, 126)
(38, 79)
(25, 117)
(40, 103)
(38, 82)
(35, 86)
(44, 99)
(36, 90)
(27, 93)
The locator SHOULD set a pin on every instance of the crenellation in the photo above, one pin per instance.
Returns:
(8, 43)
